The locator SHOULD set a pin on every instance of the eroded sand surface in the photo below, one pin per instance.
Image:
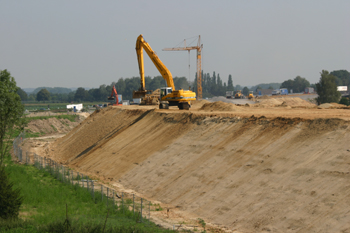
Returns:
(279, 167)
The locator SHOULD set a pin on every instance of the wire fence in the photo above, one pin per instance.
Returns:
(122, 202)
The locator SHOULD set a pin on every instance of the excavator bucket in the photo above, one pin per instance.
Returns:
(138, 94)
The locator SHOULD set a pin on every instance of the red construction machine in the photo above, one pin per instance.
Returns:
(114, 96)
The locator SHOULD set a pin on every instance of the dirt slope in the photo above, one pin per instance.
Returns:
(51, 126)
(250, 174)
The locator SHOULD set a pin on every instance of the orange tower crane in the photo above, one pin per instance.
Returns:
(199, 62)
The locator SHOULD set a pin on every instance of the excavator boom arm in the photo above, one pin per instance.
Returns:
(142, 44)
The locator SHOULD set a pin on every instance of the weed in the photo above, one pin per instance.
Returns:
(159, 208)
(203, 224)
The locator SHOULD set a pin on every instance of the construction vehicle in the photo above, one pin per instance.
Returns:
(151, 98)
(251, 95)
(114, 98)
(229, 94)
(169, 96)
(239, 95)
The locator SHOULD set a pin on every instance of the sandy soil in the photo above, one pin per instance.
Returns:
(272, 166)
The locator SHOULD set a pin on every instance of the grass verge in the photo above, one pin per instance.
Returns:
(45, 201)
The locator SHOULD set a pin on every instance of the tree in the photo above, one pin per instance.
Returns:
(43, 95)
(327, 88)
(343, 77)
(245, 91)
(297, 85)
(230, 84)
(11, 112)
(10, 199)
(22, 94)
(344, 101)
(300, 84)
(82, 95)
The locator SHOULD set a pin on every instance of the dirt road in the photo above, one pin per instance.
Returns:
(249, 168)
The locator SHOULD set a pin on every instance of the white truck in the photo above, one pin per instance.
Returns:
(276, 92)
(229, 95)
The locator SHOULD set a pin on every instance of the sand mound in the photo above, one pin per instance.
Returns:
(51, 126)
(198, 103)
(264, 97)
(218, 106)
(282, 102)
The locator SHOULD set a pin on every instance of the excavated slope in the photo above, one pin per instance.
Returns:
(249, 174)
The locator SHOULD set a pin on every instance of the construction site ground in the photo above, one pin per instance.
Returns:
(272, 164)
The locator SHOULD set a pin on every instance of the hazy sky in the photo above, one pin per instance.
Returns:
(88, 43)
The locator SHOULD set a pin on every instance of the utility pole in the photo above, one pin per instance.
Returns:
(199, 62)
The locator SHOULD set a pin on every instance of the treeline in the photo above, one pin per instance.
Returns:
(212, 85)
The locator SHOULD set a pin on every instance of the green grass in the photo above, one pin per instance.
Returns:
(72, 118)
(36, 106)
(45, 200)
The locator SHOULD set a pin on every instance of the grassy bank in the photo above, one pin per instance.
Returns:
(45, 201)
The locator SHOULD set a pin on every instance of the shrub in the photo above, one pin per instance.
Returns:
(10, 199)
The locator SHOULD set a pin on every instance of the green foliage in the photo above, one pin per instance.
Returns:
(202, 223)
(342, 77)
(82, 95)
(10, 198)
(11, 111)
(44, 206)
(266, 86)
(43, 95)
(297, 85)
(327, 88)
(230, 84)
(245, 91)
(22, 94)
(54, 90)
(344, 101)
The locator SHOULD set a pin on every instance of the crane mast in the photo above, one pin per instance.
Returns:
(199, 61)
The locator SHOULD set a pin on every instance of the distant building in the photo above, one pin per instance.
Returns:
(309, 90)
(75, 107)
(264, 91)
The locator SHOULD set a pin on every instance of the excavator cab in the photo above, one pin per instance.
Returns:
(163, 92)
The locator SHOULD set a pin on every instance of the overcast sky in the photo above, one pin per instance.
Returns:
(88, 43)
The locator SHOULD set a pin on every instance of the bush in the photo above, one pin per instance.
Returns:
(10, 199)
(344, 101)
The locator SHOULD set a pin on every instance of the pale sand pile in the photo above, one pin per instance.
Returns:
(332, 106)
(283, 102)
(198, 103)
(218, 106)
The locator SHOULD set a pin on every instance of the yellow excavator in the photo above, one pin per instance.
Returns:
(251, 95)
(168, 95)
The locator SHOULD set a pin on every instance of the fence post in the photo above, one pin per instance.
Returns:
(113, 201)
(93, 190)
(141, 209)
(133, 203)
(82, 180)
(72, 174)
(123, 201)
(102, 192)
(87, 182)
(62, 169)
(78, 177)
(149, 213)
(107, 196)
